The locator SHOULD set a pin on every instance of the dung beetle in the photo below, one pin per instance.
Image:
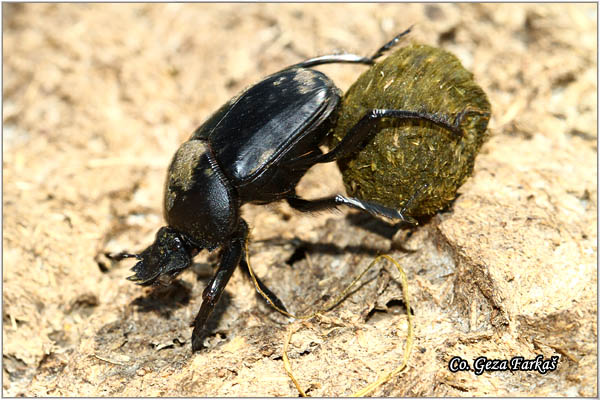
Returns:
(255, 149)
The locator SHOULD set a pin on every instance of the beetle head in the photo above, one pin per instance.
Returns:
(170, 254)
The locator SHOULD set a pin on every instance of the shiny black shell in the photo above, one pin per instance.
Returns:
(254, 130)
(197, 201)
(255, 148)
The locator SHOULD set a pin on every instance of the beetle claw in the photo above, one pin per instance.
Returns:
(143, 276)
(140, 281)
(410, 220)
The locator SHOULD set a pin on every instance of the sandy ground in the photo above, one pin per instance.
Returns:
(98, 97)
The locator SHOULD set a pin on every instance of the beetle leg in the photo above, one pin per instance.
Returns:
(350, 58)
(390, 44)
(271, 297)
(230, 258)
(332, 59)
(364, 130)
(328, 203)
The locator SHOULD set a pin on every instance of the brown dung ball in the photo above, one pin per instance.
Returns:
(413, 158)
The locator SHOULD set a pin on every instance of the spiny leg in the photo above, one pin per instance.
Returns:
(386, 47)
(328, 203)
(350, 58)
(367, 127)
(230, 258)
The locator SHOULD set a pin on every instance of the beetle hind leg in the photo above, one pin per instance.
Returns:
(347, 58)
(386, 47)
(366, 127)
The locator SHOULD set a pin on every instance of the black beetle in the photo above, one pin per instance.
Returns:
(255, 149)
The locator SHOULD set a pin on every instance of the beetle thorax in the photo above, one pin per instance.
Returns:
(198, 200)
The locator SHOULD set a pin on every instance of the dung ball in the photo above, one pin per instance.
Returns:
(410, 158)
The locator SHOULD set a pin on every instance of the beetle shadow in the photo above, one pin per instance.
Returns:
(375, 225)
(362, 220)
(301, 247)
(164, 298)
(383, 228)
(389, 230)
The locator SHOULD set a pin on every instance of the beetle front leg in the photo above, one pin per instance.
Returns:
(230, 258)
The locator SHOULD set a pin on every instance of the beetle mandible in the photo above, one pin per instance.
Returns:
(255, 149)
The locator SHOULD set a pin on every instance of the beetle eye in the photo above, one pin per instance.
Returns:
(177, 243)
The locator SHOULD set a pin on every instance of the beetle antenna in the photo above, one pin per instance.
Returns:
(122, 255)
